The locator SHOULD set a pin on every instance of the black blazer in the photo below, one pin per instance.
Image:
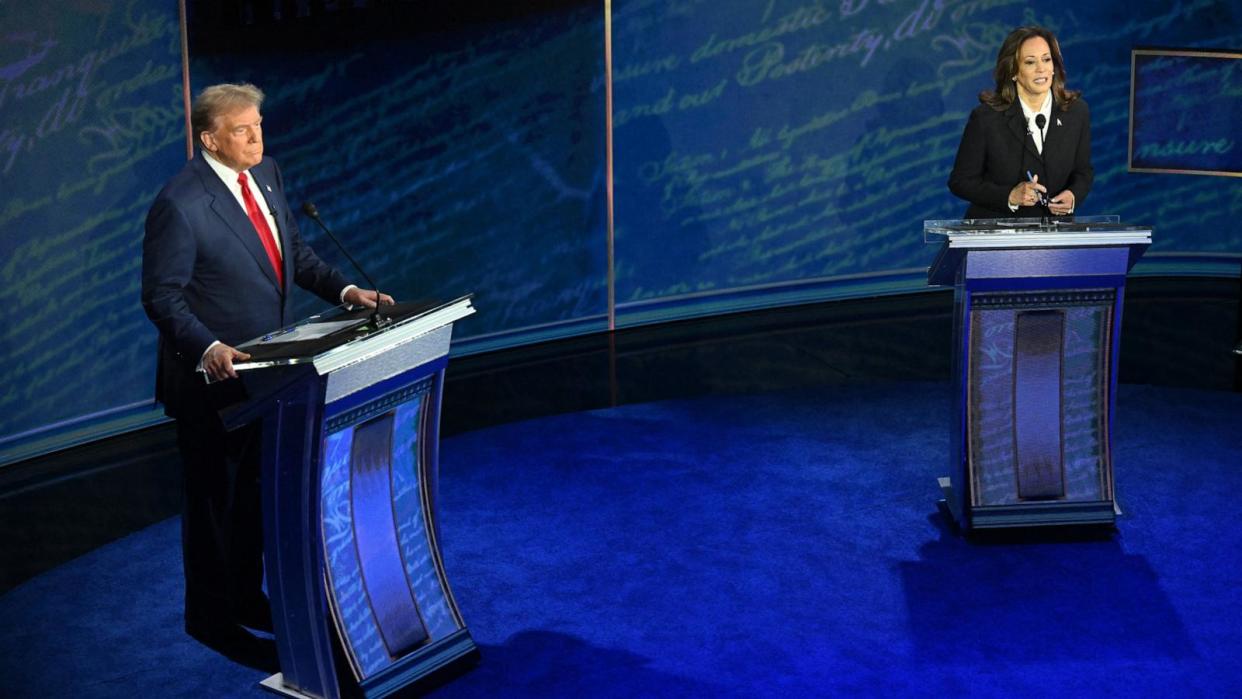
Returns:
(206, 277)
(996, 152)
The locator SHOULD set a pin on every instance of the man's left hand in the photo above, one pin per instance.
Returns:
(366, 298)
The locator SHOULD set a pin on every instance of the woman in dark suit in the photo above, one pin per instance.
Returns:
(1026, 151)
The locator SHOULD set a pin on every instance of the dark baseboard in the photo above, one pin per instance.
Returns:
(57, 507)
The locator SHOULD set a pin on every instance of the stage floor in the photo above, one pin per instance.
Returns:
(784, 543)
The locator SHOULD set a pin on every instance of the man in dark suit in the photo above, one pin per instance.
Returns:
(221, 248)
(1003, 141)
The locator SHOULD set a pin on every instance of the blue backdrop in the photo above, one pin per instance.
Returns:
(767, 147)
(91, 125)
(765, 153)
(469, 159)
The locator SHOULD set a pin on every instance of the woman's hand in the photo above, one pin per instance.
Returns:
(1062, 203)
(1028, 193)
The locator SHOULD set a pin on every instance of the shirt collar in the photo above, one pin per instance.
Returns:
(226, 173)
(1045, 109)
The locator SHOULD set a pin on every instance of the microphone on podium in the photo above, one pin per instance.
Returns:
(1040, 122)
(378, 320)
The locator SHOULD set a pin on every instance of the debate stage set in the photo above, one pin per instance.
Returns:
(698, 383)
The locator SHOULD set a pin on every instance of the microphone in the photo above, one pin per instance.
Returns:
(377, 319)
(1041, 121)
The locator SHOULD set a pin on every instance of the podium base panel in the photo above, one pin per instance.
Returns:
(425, 667)
(1040, 514)
(1043, 514)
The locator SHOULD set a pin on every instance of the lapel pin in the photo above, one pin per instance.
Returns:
(1058, 124)
(269, 187)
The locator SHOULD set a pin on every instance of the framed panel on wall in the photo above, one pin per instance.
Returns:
(1185, 107)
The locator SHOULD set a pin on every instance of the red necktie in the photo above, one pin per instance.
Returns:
(264, 231)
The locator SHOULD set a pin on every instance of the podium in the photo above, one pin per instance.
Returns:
(1037, 324)
(350, 413)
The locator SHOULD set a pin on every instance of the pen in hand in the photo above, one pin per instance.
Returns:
(1041, 197)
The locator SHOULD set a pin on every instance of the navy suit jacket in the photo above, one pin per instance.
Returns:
(206, 277)
(996, 152)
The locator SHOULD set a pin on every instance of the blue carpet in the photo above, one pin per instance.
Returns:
(764, 545)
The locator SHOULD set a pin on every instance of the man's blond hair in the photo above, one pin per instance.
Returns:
(219, 99)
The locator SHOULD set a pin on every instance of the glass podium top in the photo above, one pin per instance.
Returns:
(1035, 232)
(343, 335)
(1018, 236)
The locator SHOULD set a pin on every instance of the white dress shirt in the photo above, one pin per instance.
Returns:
(1031, 128)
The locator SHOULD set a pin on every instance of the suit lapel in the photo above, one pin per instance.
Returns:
(1017, 125)
(231, 214)
(1050, 133)
(1054, 138)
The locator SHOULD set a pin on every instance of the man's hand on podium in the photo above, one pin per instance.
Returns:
(366, 298)
(218, 361)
